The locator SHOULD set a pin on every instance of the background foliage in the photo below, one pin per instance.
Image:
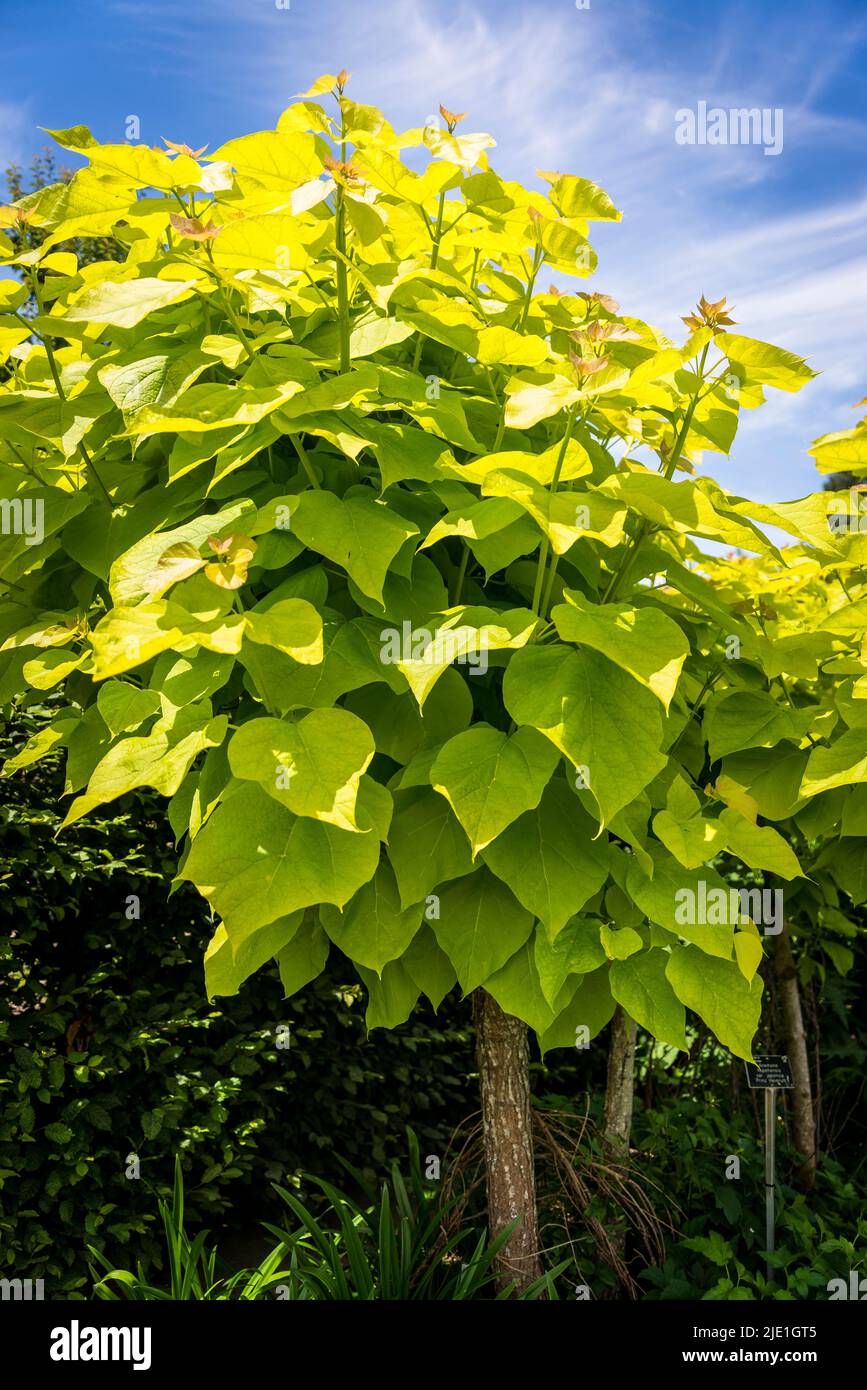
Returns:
(111, 1048)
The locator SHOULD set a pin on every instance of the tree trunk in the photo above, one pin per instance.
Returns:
(620, 1084)
(619, 1092)
(796, 1048)
(504, 1084)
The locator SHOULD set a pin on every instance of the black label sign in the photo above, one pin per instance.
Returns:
(769, 1071)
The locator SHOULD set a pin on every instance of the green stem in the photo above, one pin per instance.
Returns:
(305, 460)
(461, 576)
(438, 231)
(840, 581)
(340, 260)
(549, 585)
(52, 366)
(29, 467)
(475, 269)
(501, 424)
(228, 310)
(89, 464)
(538, 257)
(545, 547)
(317, 290)
(342, 283)
(631, 552)
(434, 258)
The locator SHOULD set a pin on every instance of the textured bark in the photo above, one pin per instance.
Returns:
(620, 1083)
(504, 1083)
(619, 1092)
(804, 1120)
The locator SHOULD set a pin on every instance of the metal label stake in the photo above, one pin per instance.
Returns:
(768, 1074)
(770, 1162)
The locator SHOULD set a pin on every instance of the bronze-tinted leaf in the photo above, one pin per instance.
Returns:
(184, 149)
(451, 118)
(193, 229)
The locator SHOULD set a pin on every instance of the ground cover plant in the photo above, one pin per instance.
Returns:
(330, 518)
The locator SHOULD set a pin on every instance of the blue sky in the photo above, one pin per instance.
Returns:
(589, 91)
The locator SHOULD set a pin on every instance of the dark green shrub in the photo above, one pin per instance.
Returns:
(112, 1049)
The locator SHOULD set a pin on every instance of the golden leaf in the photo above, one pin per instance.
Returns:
(234, 553)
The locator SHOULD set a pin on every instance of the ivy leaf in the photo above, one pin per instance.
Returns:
(490, 778)
(717, 991)
(550, 859)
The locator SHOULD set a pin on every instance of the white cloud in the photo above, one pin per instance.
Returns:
(595, 91)
(14, 127)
